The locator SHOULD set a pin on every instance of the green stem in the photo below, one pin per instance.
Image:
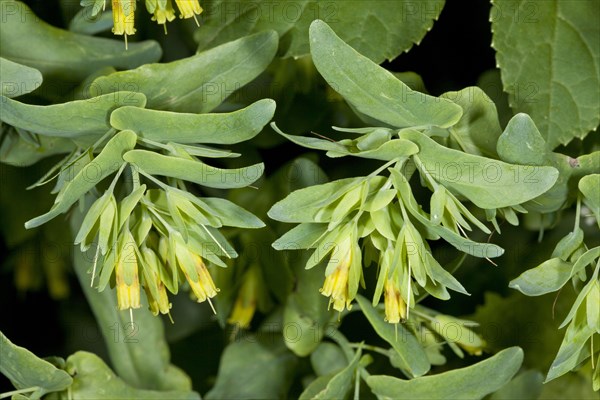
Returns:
(577, 214)
(424, 171)
(111, 188)
(156, 144)
(20, 391)
(383, 167)
(153, 179)
(110, 132)
(369, 347)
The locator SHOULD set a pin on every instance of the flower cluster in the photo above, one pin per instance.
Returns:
(154, 239)
(162, 12)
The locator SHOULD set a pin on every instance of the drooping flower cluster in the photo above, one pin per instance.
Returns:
(153, 239)
(162, 12)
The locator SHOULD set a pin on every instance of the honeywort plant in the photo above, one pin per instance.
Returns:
(153, 179)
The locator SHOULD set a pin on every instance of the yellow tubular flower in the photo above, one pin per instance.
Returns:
(161, 16)
(336, 283)
(204, 288)
(245, 303)
(128, 296)
(123, 18)
(189, 8)
(395, 307)
(161, 304)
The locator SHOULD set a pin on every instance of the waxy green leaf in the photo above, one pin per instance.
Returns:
(382, 96)
(402, 340)
(547, 277)
(485, 182)
(478, 129)
(225, 128)
(93, 379)
(389, 150)
(338, 386)
(83, 121)
(522, 143)
(250, 369)
(203, 81)
(473, 382)
(304, 205)
(589, 186)
(25, 370)
(17, 79)
(194, 171)
(14, 150)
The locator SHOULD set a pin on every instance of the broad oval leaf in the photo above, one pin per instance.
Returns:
(17, 79)
(522, 143)
(193, 171)
(57, 53)
(526, 385)
(166, 126)
(382, 96)
(478, 129)
(379, 29)
(250, 369)
(487, 183)
(548, 53)
(203, 81)
(473, 382)
(328, 359)
(402, 340)
(547, 277)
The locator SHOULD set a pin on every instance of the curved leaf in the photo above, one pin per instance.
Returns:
(93, 379)
(406, 345)
(250, 369)
(473, 382)
(391, 149)
(14, 150)
(193, 171)
(225, 128)
(382, 96)
(547, 277)
(487, 183)
(25, 370)
(82, 120)
(203, 81)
